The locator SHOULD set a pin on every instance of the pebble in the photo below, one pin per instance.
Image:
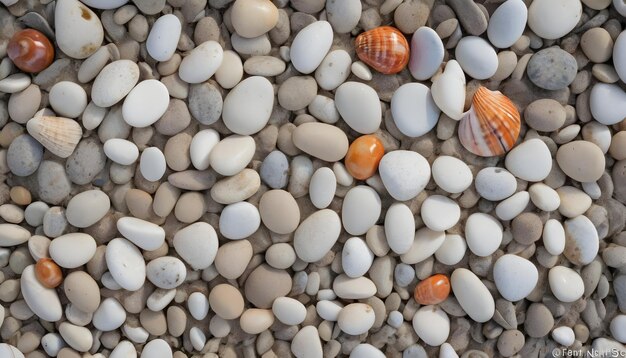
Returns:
(78, 30)
(156, 348)
(144, 234)
(114, 82)
(606, 103)
(427, 53)
(334, 69)
(237, 188)
(359, 106)
(473, 18)
(440, 213)
(82, 291)
(321, 140)
(564, 335)
(310, 46)
(507, 23)
(483, 234)
(109, 316)
(252, 18)
(87, 161)
(24, 155)
(275, 169)
(356, 257)
(552, 68)
(289, 311)
(581, 160)
(530, 160)
(230, 72)
(163, 37)
(145, 103)
(404, 174)
(279, 211)
(72, 250)
(226, 301)
(361, 209)
(399, 228)
(367, 351)
(414, 110)
(197, 244)
(232, 154)
(452, 250)
(553, 237)
(166, 272)
(553, 19)
(582, 242)
(201, 146)
(343, 15)
(79, 338)
(322, 187)
(495, 184)
(152, 164)
(125, 264)
(87, 208)
(297, 92)
(619, 49)
(432, 325)
(205, 103)
(306, 343)
(67, 99)
(44, 302)
(472, 295)
(265, 284)
(565, 284)
(316, 235)
(255, 320)
(267, 66)
(201, 63)
(476, 57)
(618, 328)
(539, 320)
(544, 197)
(515, 277)
(545, 115)
(121, 151)
(425, 244)
(597, 44)
(239, 220)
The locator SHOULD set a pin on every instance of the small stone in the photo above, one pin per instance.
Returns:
(581, 160)
(545, 115)
(552, 68)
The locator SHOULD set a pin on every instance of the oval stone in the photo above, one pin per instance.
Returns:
(248, 106)
(552, 68)
(321, 140)
(473, 295)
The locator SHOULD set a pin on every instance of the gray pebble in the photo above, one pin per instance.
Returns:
(205, 103)
(510, 342)
(54, 222)
(539, 320)
(411, 15)
(275, 169)
(545, 115)
(404, 274)
(24, 155)
(86, 162)
(301, 172)
(552, 69)
(175, 119)
(35, 212)
(297, 92)
(54, 185)
(470, 15)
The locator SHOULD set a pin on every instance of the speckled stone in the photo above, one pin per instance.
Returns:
(552, 68)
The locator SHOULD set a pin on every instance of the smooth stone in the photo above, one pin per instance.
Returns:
(473, 295)
(366, 350)
(109, 316)
(104, 4)
(507, 23)
(257, 46)
(24, 155)
(564, 335)
(334, 70)
(553, 237)
(552, 68)
(297, 92)
(404, 174)
(9, 351)
(82, 291)
(125, 264)
(145, 103)
(275, 169)
(495, 184)
(306, 343)
(166, 272)
(230, 71)
(144, 234)
(574, 201)
(512, 206)
(289, 310)
(201, 63)
(581, 160)
(551, 19)
(205, 103)
(353, 288)
(248, 106)
(607, 102)
(237, 188)
(427, 53)
(197, 244)
(255, 320)
(78, 30)
(432, 325)
(123, 349)
(356, 257)
(67, 99)
(565, 284)
(233, 258)
(114, 82)
(321, 140)
(413, 109)
(359, 106)
(316, 235)
(448, 90)
(232, 154)
(152, 164)
(72, 250)
(581, 240)
(343, 15)
(267, 66)
(44, 302)
(476, 57)
(163, 37)
(618, 328)
(597, 44)
(425, 243)
(471, 16)
(322, 187)
(156, 348)
(90, 68)
(440, 213)
(544, 197)
(531, 160)
(619, 50)
(279, 211)
(452, 250)
(451, 174)
(201, 146)
(356, 318)
(252, 18)
(515, 277)
(361, 210)
(198, 305)
(310, 46)
(239, 220)
(87, 161)
(545, 115)
(79, 338)
(87, 208)
(483, 234)
(399, 228)
(265, 284)
(54, 186)
(121, 151)
(226, 301)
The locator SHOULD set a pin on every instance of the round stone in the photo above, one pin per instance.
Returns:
(359, 106)
(507, 23)
(166, 272)
(152, 164)
(565, 284)
(495, 184)
(581, 160)
(197, 244)
(545, 115)
(322, 187)
(163, 37)
(82, 291)
(432, 325)
(427, 53)
(279, 211)
(289, 311)
(24, 155)
(476, 57)
(232, 154)
(78, 30)
(356, 318)
(316, 235)
(552, 68)
(275, 169)
(145, 103)
(321, 140)
(581, 240)
(356, 257)
(265, 284)
(413, 109)
(451, 174)
(361, 210)
(404, 173)
(552, 19)
(440, 213)
(483, 234)
(68, 99)
(252, 18)
(87, 208)
(608, 102)
(121, 151)
(310, 46)
(72, 250)
(114, 82)
(201, 63)
(515, 277)
(239, 220)
(597, 44)
(530, 160)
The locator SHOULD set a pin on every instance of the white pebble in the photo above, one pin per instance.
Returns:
(121, 151)
(356, 318)
(472, 294)
(440, 213)
(515, 277)
(198, 305)
(553, 237)
(483, 234)
(432, 325)
(359, 106)
(109, 316)
(404, 173)
(310, 46)
(239, 220)
(145, 103)
(399, 228)
(544, 197)
(530, 160)
(201, 63)
(289, 311)
(152, 164)
(166, 272)
(72, 250)
(163, 37)
(413, 109)
(565, 283)
(356, 257)
(361, 209)
(451, 174)
(452, 250)
(564, 336)
(142, 233)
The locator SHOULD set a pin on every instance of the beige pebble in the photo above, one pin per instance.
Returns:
(232, 258)
(618, 146)
(279, 211)
(190, 207)
(82, 291)
(321, 140)
(256, 320)
(597, 44)
(153, 322)
(165, 199)
(139, 203)
(236, 188)
(20, 195)
(226, 301)
(252, 18)
(581, 160)
(177, 152)
(176, 321)
(265, 284)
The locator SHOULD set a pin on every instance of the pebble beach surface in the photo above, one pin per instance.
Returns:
(312, 178)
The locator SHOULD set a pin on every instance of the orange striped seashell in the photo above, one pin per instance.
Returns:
(492, 124)
(48, 273)
(432, 290)
(384, 48)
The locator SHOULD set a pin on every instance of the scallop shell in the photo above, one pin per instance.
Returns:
(384, 48)
(432, 290)
(492, 124)
(57, 134)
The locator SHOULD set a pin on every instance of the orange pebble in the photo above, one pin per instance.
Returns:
(432, 290)
(30, 50)
(48, 273)
(363, 156)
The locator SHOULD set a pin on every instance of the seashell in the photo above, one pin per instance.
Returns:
(492, 124)
(30, 50)
(363, 156)
(384, 48)
(57, 134)
(48, 273)
(432, 290)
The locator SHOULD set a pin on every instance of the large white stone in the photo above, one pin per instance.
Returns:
(72, 250)
(201, 63)
(144, 234)
(197, 244)
(404, 173)
(145, 103)
(361, 209)
(432, 325)
(125, 264)
(413, 109)
(515, 277)
(608, 101)
(476, 57)
(426, 53)
(248, 106)
(78, 30)
(399, 228)
(310, 46)
(44, 302)
(163, 37)
(316, 235)
(114, 82)
(87, 208)
(565, 283)
(530, 160)
(507, 23)
(473, 295)
(483, 234)
(552, 19)
(359, 106)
